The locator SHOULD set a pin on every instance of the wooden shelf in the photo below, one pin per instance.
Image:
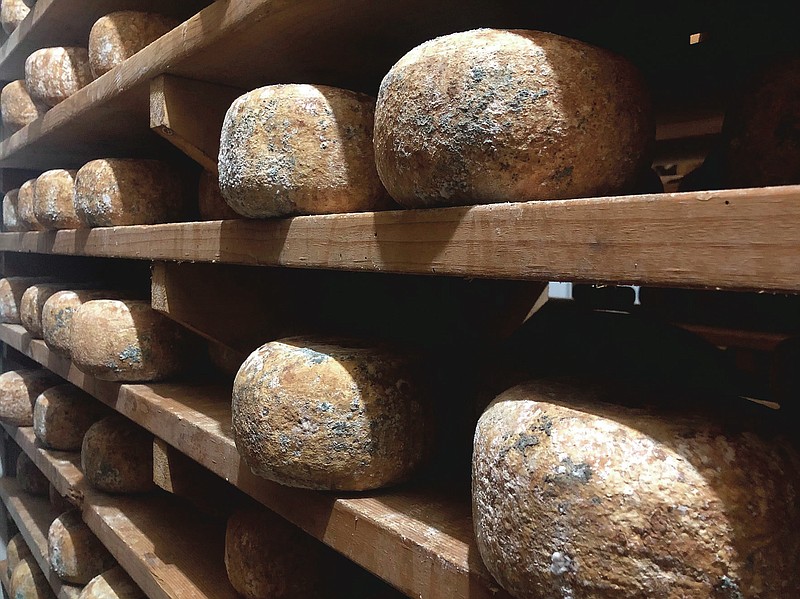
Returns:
(419, 541)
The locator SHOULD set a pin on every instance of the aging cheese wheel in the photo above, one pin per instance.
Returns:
(30, 478)
(11, 220)
(117, 36)
(76, 554)
(32, 303)
(13, 12)
(113, 192)
(112, 584)
(62, 415)
(53, 74)
(28, 581)
(58, 311)
(16, 551)
(211, 204)
(126, 340)
(18, 392)
(117, 456)
(574, 497)
(25, 212)
(323, 414)
(11, 291)
(54, 200)
(265, 556)
(299, 149)
(17, 108)
(496, 116)
(58, 502)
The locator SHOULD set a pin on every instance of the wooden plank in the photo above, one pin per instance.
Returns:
(733, 239)
(764, 341)
(418, 540)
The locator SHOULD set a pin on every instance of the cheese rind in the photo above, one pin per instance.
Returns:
(32, 304)
(28, 581)
(53, 74)
(30, 478)
(117, 456)
(26, 214)
(76, 554)
(16, 551)
(58, 311)
(18, 392)
(54, 200)
(11, 220)
(112, 584)
(62, 415)
(13, 12)
(17, 108)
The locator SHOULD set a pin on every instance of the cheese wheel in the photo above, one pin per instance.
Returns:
(211, 204)
(11, 291)
(10, 217)
(53, 74)
(18, 392)
(25, 212)
(112, 584)
(126, 340)
(16, 551)
(30, 478)
(117, 36)
(114, 191)
(76, 554)
(17, 108)
(117, 456)
(13, 12)
(28, 581)
(58, 502)
(325, 414)
(299, 149)
(32, 304)
(265, 556)
(57, 315)
(62, 415)
(496, 116)
(54, 200)
(574, 497)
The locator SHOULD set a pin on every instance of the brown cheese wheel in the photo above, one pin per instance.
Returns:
(117, 456)
(30, 478)
(58, 502)
(54, 200)
(11, 220)
(76, 554)
(18, 392)
(62, 415)
(17, 108)
(54, 74)
(265, 556)
(13, 12)
(115, 192)
(58, 311)
(16, 551)
(126, 340)
(32, 303)
(299, 149)
(322, 414)
(496, 116)
(574, 497)
(28, 581)
(25, 212)
(117, 36)
(112, 584)
(11, 291)
(211, 204)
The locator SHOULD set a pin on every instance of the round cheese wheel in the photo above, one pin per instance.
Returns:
(32, 304)
(112, 584)
(11, 291)
(117, 456)
(299, 149)
(265, 556)
(57, 315)
(113, 192)
(54, 200)
(13, 12)
(25, 212)
(18, 392)
(16, 551)
(211, 204)
(30, 478)
(574, 497)
(58, 502)
(11, 220)
(28, 581)
(76, 554)
(117, 36)
(496, 116)
(17, 108)
(53, 74)
(62, 415)
(323, 414)
(126, 340)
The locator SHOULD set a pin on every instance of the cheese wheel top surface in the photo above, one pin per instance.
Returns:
(25, 202)
(58, 311)
(32, 304)
(62, 415)
(112, 584)
(54, 199)
(17, 107)
(13, 12)
(76, 555)
(54, 74)
(18, 392)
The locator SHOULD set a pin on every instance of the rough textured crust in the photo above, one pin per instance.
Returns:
(496, 116)
(299, 149)
(18, 392)
(11, 290)
(32, 303)
(76, 554)
(117, 36)
(112, 584)
(10, 217)
(211, 204)
(117, 456)
(126, 340)
(53, 74)
(30, 478)
(577, 498)
(54, 200)
(265, 556)
(25, 213)
(16, 551)
(13, 12)
(58, 311)
(28, 581)
(17, 108)
(62, 415)
(58, 502)
(114, 191)
(335, 414)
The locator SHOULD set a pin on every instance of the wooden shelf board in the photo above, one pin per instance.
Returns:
(419, 541)
(732, 239)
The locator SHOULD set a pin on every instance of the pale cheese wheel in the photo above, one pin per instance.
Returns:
(13, 12)
(117, 456)
(16, 551)
(126, 340)
(30, 478)
(265, 556)
(58, 311)
(32, 303)
(496, 116)
(575, 497)
(117, 36)
(115, 191)
(299, 149)
(18, 392)
(62, 415)
(54, 200)
(11, 220)
(331, 414)
(53, 74)
(211, 204)
(11, 291)
(28, 581)
(58, 502)
(17, 107)
(76, 554)
(25, 212)
(112, 584)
